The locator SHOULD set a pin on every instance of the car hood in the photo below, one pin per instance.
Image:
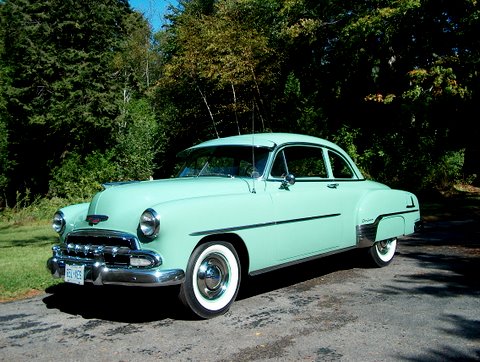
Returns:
(122, 202)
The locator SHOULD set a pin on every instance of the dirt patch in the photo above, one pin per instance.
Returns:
(28, 294)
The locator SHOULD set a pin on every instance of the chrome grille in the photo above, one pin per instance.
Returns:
(85, 238)
(108, 247)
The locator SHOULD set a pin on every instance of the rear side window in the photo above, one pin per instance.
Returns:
(340, 167)
(301, 161)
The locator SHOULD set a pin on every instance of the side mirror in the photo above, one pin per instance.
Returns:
(287, 181)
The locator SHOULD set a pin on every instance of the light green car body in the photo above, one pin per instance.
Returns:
(271, 223)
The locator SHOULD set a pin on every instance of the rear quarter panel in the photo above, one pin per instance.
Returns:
(389, 213)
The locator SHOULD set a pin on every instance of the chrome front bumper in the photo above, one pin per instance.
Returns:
(99, 273)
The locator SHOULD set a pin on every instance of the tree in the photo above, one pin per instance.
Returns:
(395, 82)
(62, 95)
(4, 159)
(401, 79)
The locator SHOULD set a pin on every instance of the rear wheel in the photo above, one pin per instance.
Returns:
(382, 252)
(212, 279)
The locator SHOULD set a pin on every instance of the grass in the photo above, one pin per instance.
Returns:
(24, 251)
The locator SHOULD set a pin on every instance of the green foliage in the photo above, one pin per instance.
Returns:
(4, 159)
(434, 85)
(29, 210)
(132, 158)
(292, 87)
(83, 82)
(137, 143)
(446, 171)
(136, 64)
(347, 139)
(223, 62)
(62, 95)
(4, 156)
(82, 177)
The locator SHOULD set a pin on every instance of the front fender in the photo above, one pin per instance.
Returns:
(185, 223)
(74, 214)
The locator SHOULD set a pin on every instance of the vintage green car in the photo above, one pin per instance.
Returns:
(240, 206)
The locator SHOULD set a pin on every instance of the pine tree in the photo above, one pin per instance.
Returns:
(62, 93)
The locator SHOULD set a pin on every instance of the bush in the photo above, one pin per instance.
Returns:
(136, 143)
(80, 179)
(131, 158)
(28, 212)
(446, 171)
(403, 160)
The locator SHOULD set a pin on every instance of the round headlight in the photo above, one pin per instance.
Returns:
(58, 222)
(150, 223)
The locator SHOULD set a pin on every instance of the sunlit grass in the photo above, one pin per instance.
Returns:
(24, 251)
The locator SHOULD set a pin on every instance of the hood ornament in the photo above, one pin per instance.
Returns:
(95, 219)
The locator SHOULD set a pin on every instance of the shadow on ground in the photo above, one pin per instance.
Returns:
(136, 304)
(115, 303)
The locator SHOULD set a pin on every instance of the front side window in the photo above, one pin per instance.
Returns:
(301, 161)
(231, 161)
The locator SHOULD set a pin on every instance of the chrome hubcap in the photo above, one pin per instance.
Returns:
(213, 276)
(384, 246)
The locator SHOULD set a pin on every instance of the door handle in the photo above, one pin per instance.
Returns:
(332, 186)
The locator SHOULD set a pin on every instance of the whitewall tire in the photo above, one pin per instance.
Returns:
(383, 252)
(212, 279)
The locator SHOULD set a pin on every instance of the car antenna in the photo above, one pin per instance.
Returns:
(253, 150)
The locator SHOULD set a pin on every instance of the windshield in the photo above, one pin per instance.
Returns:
(230, 161)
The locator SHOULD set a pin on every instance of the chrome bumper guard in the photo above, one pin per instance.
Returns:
(418, 226)
(99, 273)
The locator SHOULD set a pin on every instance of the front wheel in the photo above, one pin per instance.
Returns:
(212, 279)
(382, 252)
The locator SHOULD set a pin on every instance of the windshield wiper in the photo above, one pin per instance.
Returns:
(203, 169)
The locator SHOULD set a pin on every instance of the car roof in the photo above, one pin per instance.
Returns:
(270, 140)
(273, 140)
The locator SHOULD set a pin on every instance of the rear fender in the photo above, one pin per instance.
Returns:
(386, 214)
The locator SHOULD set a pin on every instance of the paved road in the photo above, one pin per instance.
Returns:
(425, 306)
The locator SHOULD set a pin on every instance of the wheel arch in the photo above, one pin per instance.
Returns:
(237, 242)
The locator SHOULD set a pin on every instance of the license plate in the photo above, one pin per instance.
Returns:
(75, 274)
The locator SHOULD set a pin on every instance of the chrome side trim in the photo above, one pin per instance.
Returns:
(260, 225)
(367, 233)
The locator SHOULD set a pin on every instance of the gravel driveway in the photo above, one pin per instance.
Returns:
(425, 306)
